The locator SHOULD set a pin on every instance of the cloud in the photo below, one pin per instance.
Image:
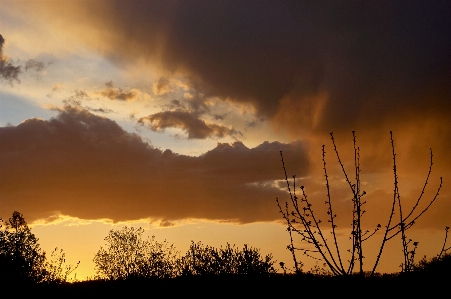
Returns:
(309, 67)
(128, 94)
(35, 65)
(220, 116)
(82, 165)
(378, 63)
(175, 104)
(57, 86)
(171, 84)
(8, 71)
(80, 94)
(162, 86)
(166, 223)
(76, 101)
(195, 127)
(198, 104)
(99, 110)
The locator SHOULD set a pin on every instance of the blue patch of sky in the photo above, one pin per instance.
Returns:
(15, 109)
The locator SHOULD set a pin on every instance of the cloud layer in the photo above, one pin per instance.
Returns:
(83, 165)
(308, 67)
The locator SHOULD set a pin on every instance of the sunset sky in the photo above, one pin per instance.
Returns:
(170, 115)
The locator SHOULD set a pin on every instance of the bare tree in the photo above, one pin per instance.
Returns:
(301, 220)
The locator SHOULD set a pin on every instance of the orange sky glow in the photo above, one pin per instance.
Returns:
(171, 115)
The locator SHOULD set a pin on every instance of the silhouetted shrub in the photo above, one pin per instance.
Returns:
(56, 270)
(207, 260)
(128, 255)
(437, 266)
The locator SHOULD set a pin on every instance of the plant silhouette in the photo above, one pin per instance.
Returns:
(301, 220)
(208, 260)
(21, 258)
(129, 255)
(20, 255)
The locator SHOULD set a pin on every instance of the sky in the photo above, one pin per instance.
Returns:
(171, 115)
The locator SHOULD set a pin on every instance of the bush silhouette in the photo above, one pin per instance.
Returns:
(56, 271)
(437, 266)
(129, 255)
(207, 260)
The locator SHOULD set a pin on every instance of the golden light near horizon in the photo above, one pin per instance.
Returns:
(173, 119)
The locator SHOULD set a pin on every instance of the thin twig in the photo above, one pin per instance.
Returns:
(412, 222)
(444, 243)
(330, 212)
(384, 240)
(306, 224)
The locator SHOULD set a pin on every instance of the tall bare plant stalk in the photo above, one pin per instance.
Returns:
(301, 220)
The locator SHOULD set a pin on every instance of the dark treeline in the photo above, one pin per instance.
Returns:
(131, 264)
(127, 256)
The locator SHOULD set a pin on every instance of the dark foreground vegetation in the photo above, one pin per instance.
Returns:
(291, 285)
(132, 265)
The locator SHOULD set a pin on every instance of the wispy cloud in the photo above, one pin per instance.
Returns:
(36, 65)
(127, 94)
(195, 127)
(8, 71)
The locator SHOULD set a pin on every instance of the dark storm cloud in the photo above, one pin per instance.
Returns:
(310, 67)
(189, 122)
(8, 71)
(87, 166)
(376, 61)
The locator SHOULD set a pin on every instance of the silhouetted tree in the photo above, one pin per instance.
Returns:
(21, 258)
(207, 260)
(129, 255)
